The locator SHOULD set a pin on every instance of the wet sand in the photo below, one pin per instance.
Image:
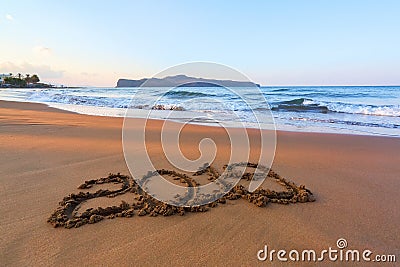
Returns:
(46, 153)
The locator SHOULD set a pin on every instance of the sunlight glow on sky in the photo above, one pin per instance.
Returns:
(284, 42)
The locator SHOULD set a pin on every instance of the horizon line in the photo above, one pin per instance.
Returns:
(262, 85)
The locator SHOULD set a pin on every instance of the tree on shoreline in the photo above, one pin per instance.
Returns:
(35, 79)
(13, 81)
(21, 82)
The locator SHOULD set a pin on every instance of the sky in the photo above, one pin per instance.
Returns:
(297, 42)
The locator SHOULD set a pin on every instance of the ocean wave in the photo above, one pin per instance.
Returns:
(299, 105)
(65, 98)
(348, 122)
(280, 90)
(296, 104)
(187, 94)
(297, 101)
(388, 110)
(309, 105)
(338, 94)
(307, 94)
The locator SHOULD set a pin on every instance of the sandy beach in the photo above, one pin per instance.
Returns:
(46, 153)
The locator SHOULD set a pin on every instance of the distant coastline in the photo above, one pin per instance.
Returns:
(183, 81)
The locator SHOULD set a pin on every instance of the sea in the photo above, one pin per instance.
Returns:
(363, 110)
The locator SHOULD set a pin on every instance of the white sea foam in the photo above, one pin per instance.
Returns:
(391, 111)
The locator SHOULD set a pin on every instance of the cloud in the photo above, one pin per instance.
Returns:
(89, 74)
(44, 71)
(42, 51)
(9, 17)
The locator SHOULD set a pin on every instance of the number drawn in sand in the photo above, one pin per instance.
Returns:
(71, 214)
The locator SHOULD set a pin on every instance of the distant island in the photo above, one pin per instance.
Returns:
(182, 81)
(19, 81)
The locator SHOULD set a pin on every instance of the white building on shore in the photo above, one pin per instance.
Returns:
(3, 75)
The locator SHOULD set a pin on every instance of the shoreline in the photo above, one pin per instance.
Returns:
(32, 105)
(47, 153)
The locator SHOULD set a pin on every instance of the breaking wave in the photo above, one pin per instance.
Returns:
(309, 105)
